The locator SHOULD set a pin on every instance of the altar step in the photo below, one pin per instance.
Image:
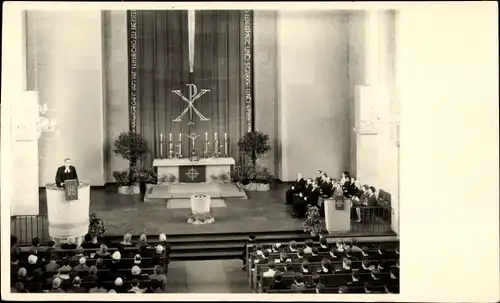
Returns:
(165, 192)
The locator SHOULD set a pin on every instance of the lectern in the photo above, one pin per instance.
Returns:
(67, 217)
(338, 214)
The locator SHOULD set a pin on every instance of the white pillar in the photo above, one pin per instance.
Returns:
(14, 83)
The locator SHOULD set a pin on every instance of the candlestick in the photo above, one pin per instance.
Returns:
(215, 136)
(206, 136)
(161, 146)
(170, 137)
(225, 136)
(180, 137)
(225, 148)
(170, 146)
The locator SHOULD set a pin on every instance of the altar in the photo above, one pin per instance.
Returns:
(187, 171)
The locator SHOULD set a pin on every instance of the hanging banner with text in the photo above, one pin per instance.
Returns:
(247, 48)
(132, 67)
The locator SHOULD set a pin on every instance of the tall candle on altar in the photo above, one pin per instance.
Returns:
(216, 137)
(161, 145)
(206, 136)
(170, 137)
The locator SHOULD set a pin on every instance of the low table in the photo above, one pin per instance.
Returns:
(187, 171)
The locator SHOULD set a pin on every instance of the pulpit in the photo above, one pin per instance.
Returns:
(68, 217)
(338, 214)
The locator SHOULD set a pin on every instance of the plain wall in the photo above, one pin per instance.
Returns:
(313, 97)
(66, 56)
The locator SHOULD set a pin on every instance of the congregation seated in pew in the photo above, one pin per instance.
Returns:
(96, 268)
(341, 267)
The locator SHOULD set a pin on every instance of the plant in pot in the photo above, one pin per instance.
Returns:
(146, 178)
(96, 228)
(263, 179)
(123, 181)
(239, 175)
(224, 178)
(313, 224)
(255, 144)
(131, 146)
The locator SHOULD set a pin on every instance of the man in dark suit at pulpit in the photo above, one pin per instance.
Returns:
(66, 172)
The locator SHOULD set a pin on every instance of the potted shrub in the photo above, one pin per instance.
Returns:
(225, 178)
(263, 179)
(313, 224)
(123, 181)
(255, 145)
(131, 146)
(96, 227)
(146, 179)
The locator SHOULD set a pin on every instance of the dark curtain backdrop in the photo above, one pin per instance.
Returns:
(162, 57)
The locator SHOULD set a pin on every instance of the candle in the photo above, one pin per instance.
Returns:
(161, 137)
(180, 137)
(206, 136)
(225, 136)
(225, 148)
(170, 146)
(170, 137)
(215, 136)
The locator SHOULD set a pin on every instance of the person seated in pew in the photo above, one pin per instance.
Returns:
(89, 242)
(271, 269)
(346, 267)
(315, 280)
(77, 288)
(159, 276)
(344, 177)
(393, 276)
(154, 287)
(302, 201)
(75, 259)
(36, 283)
(137, 261)
(323, 245)
(14, 268)
(64, 276)
(295, 188)
(304, 267)
(278, 281)
(102, 252)
(320, 288)
(348, 188)
(340, 245)
(292, 247)
(56, 286)
(162, 240)
(283, 258)
(356, 281)
(298, 283)
(276, 248)
(366, 267)
(99, 287)
(159, 257)
(136, 274)
(70, 244)
(358, 199)
(119, 287)
(115, 265)
(92, 277)
(382, 266)
(101, 265)
(392, 289)
(81, 269)
(334, 255)
(326, 188)
(376, 281)
(250, 240)
(350, 255)
(314, 257)
(366, 254)
(326, 267)
(135, 287)
(32, 265)
(44, 254)
(355, 246)
(259, 250)
(288, 270)
(319, 176)
(343, 290)
(308, 246)
(299, 257)
(262, 259)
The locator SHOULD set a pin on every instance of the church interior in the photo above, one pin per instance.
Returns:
(259, 147)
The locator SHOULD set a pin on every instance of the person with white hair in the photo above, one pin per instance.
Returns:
(135, 273)
(56, 286)
(70, 243)
(32, 265)
(81, 269)
(162, 240)
(77, 288)
(103, 252)
(119, 287)
(159, 256)
(115, 264)
(143, 244)
(135, 287)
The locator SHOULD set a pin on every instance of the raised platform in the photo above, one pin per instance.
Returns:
(163, 193)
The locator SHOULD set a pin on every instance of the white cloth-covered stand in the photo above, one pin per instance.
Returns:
(200, 210)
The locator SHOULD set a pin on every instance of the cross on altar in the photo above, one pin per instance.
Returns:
(193, 137)
(192, 173)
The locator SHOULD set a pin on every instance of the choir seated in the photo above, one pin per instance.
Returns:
(304, 193)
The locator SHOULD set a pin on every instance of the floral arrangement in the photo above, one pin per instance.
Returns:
(255, 145)
(214, 178)
(314, 224)
(262, 175)
(96, 226)
(171, 178)
(122, 177)
(147, 176)
(247, 173)
(225, 178)
(201, 218)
